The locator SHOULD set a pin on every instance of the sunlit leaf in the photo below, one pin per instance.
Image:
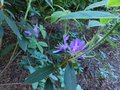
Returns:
(112, 3)
(105, 21)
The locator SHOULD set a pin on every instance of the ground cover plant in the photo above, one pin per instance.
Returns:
(56, 42)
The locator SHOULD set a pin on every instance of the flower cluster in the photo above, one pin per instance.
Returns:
(36, 32)
(75, 46)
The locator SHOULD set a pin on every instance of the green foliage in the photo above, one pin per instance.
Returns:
(94, 23)
(45, 67)
(50, 3)
(48, 85)
(112, 3)
(88, 15)
(96, 4)
(1, 32)
(13, 26)
(23, 43)
(70, 78)
(39, 74)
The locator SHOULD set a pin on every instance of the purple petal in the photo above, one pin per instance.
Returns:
(77, 45)
(56, 51)
(36, 30)
(28, 33)
(65, 38)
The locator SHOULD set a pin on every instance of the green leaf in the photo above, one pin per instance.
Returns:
(1, 16)
(113, 3)
(13, 26)
(79, 87)
(88, 15)
(44, 44)
(97, 4)
(50, 3)
(105, 21)
(42, 30)
(94, 23)
(33, 43)
(40, 48)
(40, 74)
(58, 14)
(31, 69)
(7, 49)
(23, 43)
(70, 78)
(1, 32)
(48, 85)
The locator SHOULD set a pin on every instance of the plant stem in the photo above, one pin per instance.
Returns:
(11, 59)
(28, 8)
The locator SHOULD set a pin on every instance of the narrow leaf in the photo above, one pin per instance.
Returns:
(1, 16)
(13, 26)
(50, 3)
(1, 32)
(40, 74)
(70, 78)
(97, 4)
(48, 85)
(88, 15)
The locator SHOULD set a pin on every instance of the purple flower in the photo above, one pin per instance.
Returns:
(76, 45)
(35, 29)
(28, 33)
(62, 47)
